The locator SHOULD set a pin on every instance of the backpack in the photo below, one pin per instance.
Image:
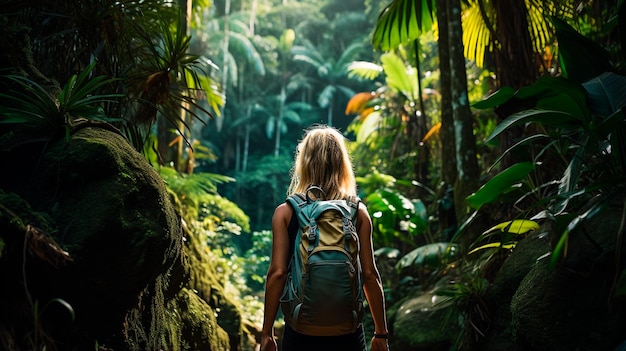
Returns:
(323, 293)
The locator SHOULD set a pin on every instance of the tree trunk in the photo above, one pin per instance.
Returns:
(219, 122)
(330, 111)
(417, 128)
(447, 215)
(466, 163)
(246, 145)
(514, 56)
(514, 61)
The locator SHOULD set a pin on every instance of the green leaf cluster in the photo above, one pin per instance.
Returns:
(37, 115)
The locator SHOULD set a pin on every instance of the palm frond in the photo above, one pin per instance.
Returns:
(402, 21)
(349, 54)
(364, 69)
(476, 34)
(326, 95)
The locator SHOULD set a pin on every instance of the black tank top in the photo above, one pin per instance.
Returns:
(292, 230)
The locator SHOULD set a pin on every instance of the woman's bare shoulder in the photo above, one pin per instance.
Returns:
(363, 208)
(283, 211)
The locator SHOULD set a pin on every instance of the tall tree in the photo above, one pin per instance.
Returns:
(468, 174)
(404, 20)
(447, 215)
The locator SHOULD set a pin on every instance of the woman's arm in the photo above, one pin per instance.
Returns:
(372, 284)
(276, 274)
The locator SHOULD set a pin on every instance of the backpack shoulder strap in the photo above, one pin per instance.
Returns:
(349, 223)
(353, 202)
(298, 201)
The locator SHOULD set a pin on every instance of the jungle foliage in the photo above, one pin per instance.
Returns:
(218, 101)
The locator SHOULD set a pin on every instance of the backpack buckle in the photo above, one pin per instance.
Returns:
(348, 227)
(311, 234)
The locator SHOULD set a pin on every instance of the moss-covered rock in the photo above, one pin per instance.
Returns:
(570, 306)
(195, 324)
(420, 323)
(122, 279)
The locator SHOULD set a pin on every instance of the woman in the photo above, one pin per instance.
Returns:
(322, 160)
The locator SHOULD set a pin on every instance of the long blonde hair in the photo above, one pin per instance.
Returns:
(322, 159)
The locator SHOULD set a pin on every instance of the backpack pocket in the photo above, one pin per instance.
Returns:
(329, 289)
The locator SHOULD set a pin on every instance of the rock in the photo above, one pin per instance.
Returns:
(500, 292)
(419, 323)
(571, 306)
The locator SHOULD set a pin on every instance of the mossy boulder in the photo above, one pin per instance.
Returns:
(571, 305)
(121, 266)
(421, 322)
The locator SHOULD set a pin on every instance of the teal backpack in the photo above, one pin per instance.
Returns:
(323, 294)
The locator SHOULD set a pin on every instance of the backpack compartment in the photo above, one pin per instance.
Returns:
(328, 288)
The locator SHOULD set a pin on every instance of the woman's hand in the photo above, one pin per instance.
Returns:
(268, 344)
(379, 344)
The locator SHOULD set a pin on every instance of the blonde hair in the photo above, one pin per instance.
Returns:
(322, 159)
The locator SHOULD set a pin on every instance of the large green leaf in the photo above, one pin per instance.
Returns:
(496, 99)
(547, 93)
(556, 93)
(554, 118)
(364, 69)
(499, 184)
(391, 210)
(512, 229)
(432, 256)
(369, 128)
(400, 77)
(581, 58)
(606, 93)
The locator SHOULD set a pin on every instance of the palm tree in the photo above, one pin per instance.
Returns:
(331, 74)
(278, 112)
(230, 39)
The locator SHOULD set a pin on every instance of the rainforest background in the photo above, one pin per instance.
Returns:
(147, 143)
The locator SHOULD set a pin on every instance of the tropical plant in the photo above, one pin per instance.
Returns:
(397, 220)
(170, 82)
(388, 118)
(403, 21)
(468, 297)
(141, 46)
(211, 38)
(277, 111)
(488, 27)
(199, 193)
(571, 164)
(511, 231)
(426, 264)
(32, 114)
